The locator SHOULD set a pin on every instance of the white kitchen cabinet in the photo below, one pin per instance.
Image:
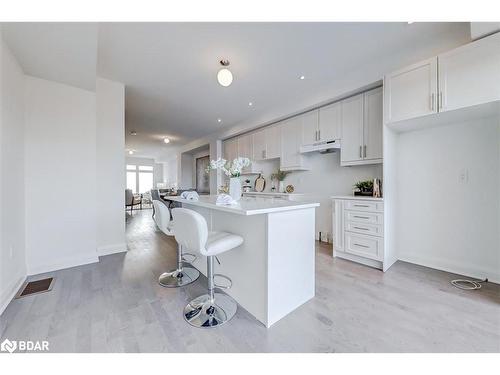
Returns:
(338, 225)
(358, 230)
(362, 129)
(230, 149)
(330, 122)
(411, 92)
(273, 141)
(291, 139)
(470, 75)
(245, 150)
(352, 129)
(245, 146)
(372, 124)
(267, 143)
(259, 145)
(310, 128)
(466, 78)
(323, 124)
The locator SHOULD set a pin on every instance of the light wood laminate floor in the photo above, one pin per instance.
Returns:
(116, 305)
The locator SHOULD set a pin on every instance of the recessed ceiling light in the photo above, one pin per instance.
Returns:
(219, 120)
(166, 140)
(224, 76)
(250, 104)
(133, 132)
(130, 152)
(302, 77)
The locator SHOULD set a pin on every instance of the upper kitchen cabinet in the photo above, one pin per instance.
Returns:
(259, 145)
(470, 75)
(330, 122)
(241, 146)
(310, 129)
(372, 124)
(230, 149)
(362, 129)
(245, 146)
(411, 92)
(352, 130)
(291, 138)
(457, 85)
(321, 125)
(267, 143)
(245, 150)
(273, 141)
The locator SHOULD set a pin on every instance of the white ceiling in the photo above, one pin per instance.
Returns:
(169, 69)
(60, 52)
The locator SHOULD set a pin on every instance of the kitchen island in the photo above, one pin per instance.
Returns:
(273, 270)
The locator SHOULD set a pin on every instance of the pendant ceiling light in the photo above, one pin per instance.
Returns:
(225, 77)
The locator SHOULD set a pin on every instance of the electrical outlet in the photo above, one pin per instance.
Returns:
(463, 176)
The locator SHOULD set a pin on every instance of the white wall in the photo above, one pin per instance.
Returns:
(186, 180)
(170, 172)
(158, 177)
(443, 223)
(60, 180)
(12, 218)
(110, 167)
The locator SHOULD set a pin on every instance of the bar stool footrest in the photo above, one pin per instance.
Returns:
(186, 260)
(223, 277)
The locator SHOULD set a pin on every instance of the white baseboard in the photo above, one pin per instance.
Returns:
(65, 263)
(9, 293)
(112, 249)
(445, 265)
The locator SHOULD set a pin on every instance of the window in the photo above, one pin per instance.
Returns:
(132, 181)
(139, 178)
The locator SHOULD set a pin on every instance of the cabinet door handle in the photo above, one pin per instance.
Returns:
(357, 244)
(360, 205)
(319, 135)
(263, 154)
(365, 151)
(440, 106)
(361, 217)
(361, 228)
(360, 151)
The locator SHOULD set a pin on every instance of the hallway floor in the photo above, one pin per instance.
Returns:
(116, 305)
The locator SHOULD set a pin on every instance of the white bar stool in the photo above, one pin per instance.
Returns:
(191, 231)
(182, 275)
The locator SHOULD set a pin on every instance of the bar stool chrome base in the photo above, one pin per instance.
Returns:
(201, 313)
(178, 278)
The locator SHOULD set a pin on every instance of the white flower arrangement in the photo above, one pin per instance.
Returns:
(230, 169)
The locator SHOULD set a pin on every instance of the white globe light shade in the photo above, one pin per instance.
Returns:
(225, 77)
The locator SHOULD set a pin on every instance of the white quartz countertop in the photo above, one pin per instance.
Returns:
(357, 197)
(270, 193)
(247, 205)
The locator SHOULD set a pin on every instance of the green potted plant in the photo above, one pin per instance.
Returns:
(364, 188)
(280, 177)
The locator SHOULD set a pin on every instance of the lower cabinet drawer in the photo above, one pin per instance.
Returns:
(365, 246)
(364, 217)
(363, 228)
(364, 205)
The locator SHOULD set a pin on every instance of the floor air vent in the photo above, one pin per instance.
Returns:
(35, 287)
